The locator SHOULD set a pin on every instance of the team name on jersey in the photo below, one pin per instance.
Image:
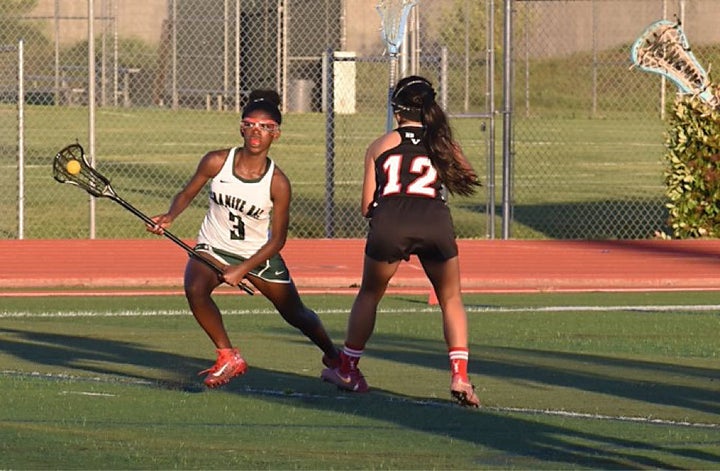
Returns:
(412, 136)
(238, 204)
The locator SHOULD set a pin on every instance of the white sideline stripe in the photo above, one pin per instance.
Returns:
(469, 308)
(69, 377)
(426, 403)
(620, 418)
(641, 308)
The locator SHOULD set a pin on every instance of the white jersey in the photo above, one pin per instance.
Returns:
(238, 217)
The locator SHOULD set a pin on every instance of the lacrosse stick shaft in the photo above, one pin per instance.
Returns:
(177, 241)
(389, 122)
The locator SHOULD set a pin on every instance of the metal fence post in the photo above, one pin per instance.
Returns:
(21, 139)
(328, 65)
(507, 121)
(91, 101)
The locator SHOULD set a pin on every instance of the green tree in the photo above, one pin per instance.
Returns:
(468, 19)
(12, 27)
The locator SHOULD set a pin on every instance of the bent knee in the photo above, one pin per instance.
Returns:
(195, 289)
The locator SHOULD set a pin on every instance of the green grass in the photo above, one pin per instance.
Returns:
(568, 381)
(572, 177)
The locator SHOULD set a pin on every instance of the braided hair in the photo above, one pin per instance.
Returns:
(414, 100)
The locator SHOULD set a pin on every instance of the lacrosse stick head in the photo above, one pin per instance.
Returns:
(663, 49)
(71, 166)
(393, 20)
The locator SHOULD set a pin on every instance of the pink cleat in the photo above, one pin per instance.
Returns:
(350, 381)
(464, 392)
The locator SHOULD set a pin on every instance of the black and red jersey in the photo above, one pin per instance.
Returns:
(406, 171)
(409, 215)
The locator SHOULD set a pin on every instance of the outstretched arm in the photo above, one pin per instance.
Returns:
(209, 166)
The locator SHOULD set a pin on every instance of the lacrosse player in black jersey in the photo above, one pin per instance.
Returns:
(408, 171)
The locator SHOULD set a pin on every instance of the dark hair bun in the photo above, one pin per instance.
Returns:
(265, 100)
(265, 95)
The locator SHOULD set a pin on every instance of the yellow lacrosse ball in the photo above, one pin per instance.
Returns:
(73, 167)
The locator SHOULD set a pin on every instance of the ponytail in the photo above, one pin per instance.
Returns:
(414, 99)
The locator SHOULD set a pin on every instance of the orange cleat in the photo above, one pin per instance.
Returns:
(228, 365)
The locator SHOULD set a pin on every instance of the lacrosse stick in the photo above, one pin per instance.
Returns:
(71, 166)
(663, 49)
(393, 20)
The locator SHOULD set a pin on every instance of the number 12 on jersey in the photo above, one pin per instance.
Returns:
(424, 176)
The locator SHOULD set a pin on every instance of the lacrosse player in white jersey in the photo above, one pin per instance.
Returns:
(239, 234)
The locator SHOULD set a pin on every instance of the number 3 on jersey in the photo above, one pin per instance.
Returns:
(238, 228)
(422, 184)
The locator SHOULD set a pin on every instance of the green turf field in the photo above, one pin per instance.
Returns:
(571, 381)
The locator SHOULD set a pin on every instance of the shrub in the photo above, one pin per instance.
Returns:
(692, 175)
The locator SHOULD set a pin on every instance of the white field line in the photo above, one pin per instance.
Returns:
(469, 308)
(620, 418)
(390, 399)
(88, 393)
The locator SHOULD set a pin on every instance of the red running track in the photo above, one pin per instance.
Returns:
(335, 265)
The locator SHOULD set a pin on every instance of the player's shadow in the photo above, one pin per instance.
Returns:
(511, 437)
(644, 381)
(529, 366)
(656, 383)
(123, 360)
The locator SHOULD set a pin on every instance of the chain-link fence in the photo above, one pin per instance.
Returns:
(171, 77)
(9, 145)
(588, 131)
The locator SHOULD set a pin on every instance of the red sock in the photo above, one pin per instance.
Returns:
(458, 361)
(350, 357)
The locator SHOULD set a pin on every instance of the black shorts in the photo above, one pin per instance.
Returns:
(401, 227)
(272, 270)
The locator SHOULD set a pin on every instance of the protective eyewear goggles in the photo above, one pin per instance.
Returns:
(261, 125)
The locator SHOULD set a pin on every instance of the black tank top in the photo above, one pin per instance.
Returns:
(405, 171)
